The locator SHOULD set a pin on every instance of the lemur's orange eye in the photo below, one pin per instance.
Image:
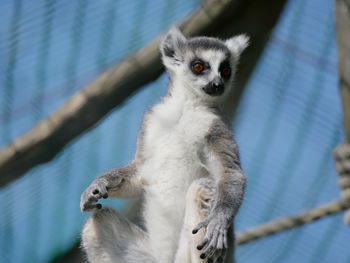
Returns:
(226, 72)
(198, 67)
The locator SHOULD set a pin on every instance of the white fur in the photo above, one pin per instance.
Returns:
(174, 138)
(174, 142)
(237, 44)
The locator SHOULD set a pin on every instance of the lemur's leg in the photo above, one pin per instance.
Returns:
(198, 205)
(109, 237)
(163, 228)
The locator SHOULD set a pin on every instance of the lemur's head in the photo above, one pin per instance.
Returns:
(204, 66)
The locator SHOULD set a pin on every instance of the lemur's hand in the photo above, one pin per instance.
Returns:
(99, 189)
(214, 244)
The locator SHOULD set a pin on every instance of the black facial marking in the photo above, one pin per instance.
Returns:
(168, 51)
(225, 65)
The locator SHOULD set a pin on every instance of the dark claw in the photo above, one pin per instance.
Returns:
(202, 244)
(98, 206)
(199, 247)
(96, 191)
(202, 256)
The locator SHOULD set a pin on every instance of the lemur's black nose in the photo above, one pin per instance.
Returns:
(214, 89)
(217, 85)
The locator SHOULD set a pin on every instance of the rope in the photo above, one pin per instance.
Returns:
(342, 165)
(285, 223)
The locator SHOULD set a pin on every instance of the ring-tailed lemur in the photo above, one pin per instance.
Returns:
(186, 166)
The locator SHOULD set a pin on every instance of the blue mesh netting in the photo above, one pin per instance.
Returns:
(288, 121)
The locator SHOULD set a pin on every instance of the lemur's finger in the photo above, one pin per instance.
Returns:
(199, 226)
(210, 232)
(215, 258)
(210, 249)
(225, 240)
(220, 241)
(95, 206)
(210, 236)
(90, 207)
(99, 192)
(202, 244)
(92, 198)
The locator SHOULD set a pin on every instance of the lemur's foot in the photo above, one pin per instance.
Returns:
(214, 245)
(99, 189)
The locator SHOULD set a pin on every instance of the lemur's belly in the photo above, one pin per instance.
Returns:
(169, 173)
(174, 164)
(173, 149)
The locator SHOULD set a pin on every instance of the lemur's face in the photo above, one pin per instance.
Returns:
(208, 71)
(202, 65)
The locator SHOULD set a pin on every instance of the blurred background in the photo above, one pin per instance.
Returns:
(287, 121)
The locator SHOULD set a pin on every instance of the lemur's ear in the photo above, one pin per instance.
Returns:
(171, 47)
(237, 44)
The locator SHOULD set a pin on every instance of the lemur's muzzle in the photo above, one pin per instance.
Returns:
(215, 87)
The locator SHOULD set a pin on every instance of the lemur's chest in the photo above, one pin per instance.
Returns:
(174, 146)
(175, 131)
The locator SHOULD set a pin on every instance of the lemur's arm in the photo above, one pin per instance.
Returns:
(230, 188)
(123, 182)
(118, 182)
